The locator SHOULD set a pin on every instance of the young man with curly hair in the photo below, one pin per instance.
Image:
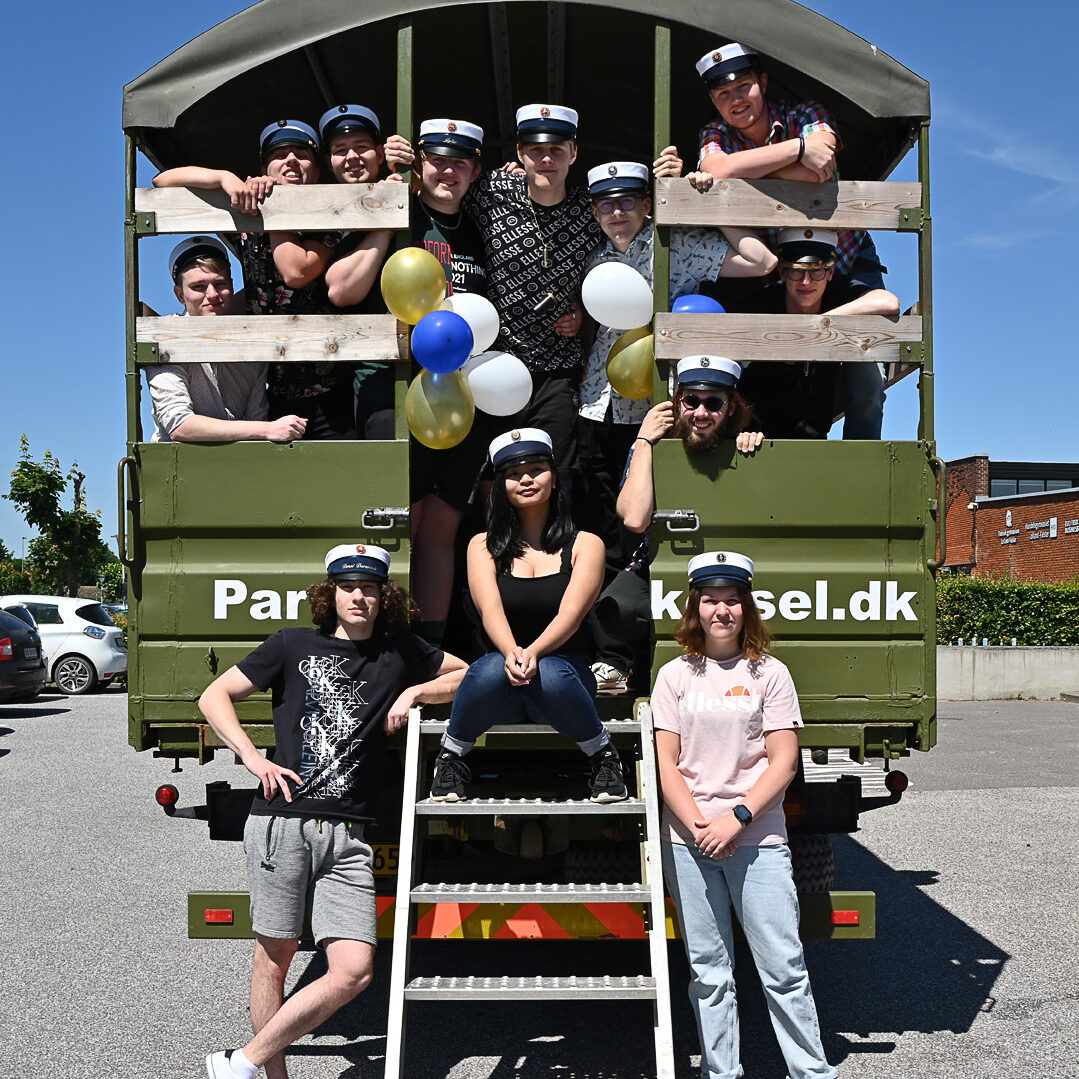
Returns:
(337, 691)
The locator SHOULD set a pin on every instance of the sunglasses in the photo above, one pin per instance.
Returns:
(694, 401)
(625, 204)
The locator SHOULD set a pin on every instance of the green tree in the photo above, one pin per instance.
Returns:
(68, 549)
(5, 554)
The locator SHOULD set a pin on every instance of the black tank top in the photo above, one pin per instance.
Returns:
(531, 603)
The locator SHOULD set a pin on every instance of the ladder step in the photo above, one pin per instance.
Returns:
(594, 987)
(612, 726)
(532, 893)
(525, 807)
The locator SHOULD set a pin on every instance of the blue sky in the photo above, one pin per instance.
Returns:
(1005, 193)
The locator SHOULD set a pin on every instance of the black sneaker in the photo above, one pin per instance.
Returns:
(451, 775)
(607, 782)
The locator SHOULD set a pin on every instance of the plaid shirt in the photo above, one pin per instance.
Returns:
(790, 119)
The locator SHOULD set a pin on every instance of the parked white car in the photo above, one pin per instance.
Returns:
(85, 647)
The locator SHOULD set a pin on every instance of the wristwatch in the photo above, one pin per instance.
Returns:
(742, 815)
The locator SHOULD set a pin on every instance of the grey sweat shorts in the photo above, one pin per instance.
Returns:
(296, 863)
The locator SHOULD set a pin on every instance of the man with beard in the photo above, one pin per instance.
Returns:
(706, 409)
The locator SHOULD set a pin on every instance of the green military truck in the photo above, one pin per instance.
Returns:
(220, 541)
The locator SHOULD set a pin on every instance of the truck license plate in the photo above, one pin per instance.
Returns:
(386, 856)
(30, 653)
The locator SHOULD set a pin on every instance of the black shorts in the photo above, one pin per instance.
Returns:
(553, 408)
(453, 474)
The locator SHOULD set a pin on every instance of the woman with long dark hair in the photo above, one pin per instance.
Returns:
(727, 717)
(533, 579)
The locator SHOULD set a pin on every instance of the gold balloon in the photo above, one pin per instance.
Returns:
(630, 364)
(439, 409)
(413, 283)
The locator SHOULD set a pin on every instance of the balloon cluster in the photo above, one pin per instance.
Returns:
(450, 341)
(616, 295)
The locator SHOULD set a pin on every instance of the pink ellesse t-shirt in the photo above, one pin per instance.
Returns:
(721, 711)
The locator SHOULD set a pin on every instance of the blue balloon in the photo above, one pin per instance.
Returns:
(442, 341)
(696, 304)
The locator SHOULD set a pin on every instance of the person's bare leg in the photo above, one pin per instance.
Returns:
(350, 965)
(432, 558)
(273, 957)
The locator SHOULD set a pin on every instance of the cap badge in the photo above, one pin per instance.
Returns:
(808, 234)
(282, 123)
(611, 170)
(361, 549)
(515, 435)
(705, 361)
(717, 56)
(342, 108)
(451, 126)
(545, 112)
(721, 557)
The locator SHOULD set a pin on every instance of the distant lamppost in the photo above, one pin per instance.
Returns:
(22, 561)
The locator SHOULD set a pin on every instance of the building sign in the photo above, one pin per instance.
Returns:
(1046, 529)
(1008, 535)
(1071, 527)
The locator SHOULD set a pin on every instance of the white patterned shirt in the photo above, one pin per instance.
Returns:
(697, 255)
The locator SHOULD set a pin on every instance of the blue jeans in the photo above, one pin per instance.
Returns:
(757, 881)
(863, 400)
(561, 695)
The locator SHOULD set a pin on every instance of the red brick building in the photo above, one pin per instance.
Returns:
(1013, 518)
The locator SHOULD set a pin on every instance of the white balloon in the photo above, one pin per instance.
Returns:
(616, 295)
(479, 313)
(501, 385)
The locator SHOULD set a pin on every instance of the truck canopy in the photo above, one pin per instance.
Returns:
(206, 102)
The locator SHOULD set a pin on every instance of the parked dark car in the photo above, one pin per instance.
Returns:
(22, 669)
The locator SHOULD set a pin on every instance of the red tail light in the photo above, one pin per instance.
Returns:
(6, 649)
(794, 807)
(166, 795)
(896, 782)
(218, 917)
(846, 917)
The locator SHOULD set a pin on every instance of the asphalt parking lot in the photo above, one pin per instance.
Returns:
(974, 973)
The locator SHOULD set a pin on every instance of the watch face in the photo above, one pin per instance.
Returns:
(742, 814)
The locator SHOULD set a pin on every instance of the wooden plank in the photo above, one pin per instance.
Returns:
(828, 338)
(848, 204)
(275, 338)
(320, 207)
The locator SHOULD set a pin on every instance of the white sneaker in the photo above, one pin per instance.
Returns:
(609, 680)
(218, 1066)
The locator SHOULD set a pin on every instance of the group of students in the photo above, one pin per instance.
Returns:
(525, 238)
(726, 712)
(726, 715)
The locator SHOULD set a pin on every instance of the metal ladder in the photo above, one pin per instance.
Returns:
(649, 891)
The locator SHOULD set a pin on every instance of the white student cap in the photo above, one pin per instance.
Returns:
(192, 248)
(342, 118)
(618, 178)
(451, 138)
(708, 372)
(546, 123)
(716, 568)
(807, 245)
(287, 133)
(524, 444)
(357, 562)
(725, 64)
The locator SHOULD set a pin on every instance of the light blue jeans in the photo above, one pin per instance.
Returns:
(757, 881)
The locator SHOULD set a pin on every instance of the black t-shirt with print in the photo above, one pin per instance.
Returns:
(455, 242)
(515, 232)
(330, 697)
(320, 392)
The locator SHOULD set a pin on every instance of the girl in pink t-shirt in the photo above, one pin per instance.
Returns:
(726, 716)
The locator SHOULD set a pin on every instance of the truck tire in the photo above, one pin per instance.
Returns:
(74, 674)
(813, 863)
(606, 863)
